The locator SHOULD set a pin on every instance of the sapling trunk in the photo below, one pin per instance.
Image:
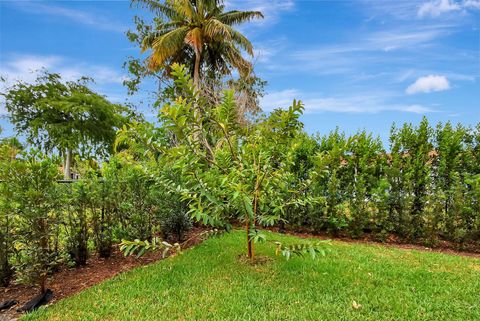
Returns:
(250, 247)
(43, 229)
(43, 284)
(249, 241)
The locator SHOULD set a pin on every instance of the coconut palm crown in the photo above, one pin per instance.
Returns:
(199, 30)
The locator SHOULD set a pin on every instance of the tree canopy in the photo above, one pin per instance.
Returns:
(199, 31)
(66, 116)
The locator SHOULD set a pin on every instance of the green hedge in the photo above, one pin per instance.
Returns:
(423, 188)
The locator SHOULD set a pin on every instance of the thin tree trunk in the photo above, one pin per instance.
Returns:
(196, 70)
(68, 164)
(43, 229)
(198, 135)
(249, 241)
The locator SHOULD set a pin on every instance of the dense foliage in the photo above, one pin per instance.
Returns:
(46, 223)
(423, 188)
(204, 164)
(64, 116)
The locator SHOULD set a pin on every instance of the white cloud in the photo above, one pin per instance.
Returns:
(399, 39)
(270, 9)
(435, 8)
(354, 56)
(417, 109)
(379, 10)
(474, 4)
(428, 84)
(362, 103)
(406, 9)
(25, 68)
(86, 18)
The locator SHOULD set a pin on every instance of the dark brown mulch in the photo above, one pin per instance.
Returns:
(445, 247)
(69, 281)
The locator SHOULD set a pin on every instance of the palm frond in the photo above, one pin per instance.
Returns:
(241, 40)
(186, 9)
(149, 39)
(214, 29)
(235, 58)
(194, 38)
(215, 11)
(166, 46)
(212, 6)
(198, 26)
(170, 25)
(158, 7)
(237, 17)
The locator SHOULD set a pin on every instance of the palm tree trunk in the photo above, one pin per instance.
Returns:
(196, 70)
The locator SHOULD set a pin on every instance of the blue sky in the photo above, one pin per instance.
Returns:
(355, 64)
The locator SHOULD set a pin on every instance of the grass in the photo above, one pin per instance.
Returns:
(210, 282)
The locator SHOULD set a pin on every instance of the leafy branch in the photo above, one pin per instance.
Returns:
(302, 249)
(140, 247)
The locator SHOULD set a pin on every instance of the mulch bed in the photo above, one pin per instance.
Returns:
(69, 281)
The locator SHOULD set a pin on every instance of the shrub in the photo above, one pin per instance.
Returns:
(104, 212)
(37, 200)
(135, 206)
(7, 237)
(80, 195)
(175, 225)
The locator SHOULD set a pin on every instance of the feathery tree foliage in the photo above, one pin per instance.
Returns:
(67, 116)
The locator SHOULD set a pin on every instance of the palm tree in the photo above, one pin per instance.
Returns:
(199, 30)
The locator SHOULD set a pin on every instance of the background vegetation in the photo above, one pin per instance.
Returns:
(213, 158)
(203, 164)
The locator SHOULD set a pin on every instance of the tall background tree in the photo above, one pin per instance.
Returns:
(64, 116)
(200, 29)
(201, 36)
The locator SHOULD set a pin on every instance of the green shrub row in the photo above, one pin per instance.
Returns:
(423, 188)
(46, 223)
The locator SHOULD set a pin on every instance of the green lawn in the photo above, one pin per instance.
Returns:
(209, 282)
